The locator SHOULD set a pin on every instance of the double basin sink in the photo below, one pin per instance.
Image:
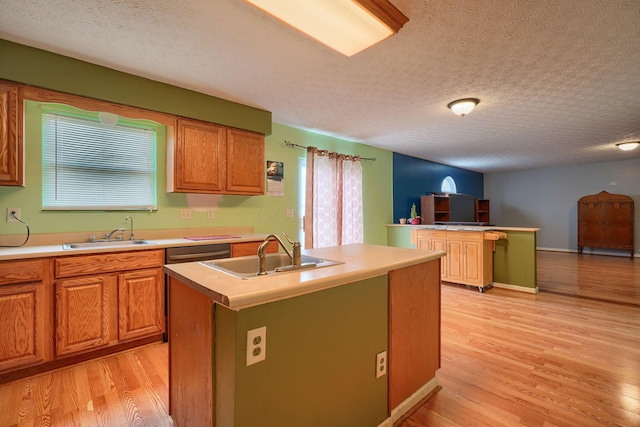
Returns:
(105, 244)
(248, 267)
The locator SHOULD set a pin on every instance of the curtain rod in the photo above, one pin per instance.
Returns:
(292, 145)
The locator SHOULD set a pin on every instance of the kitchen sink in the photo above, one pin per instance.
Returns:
(105, 244)
(247, 267)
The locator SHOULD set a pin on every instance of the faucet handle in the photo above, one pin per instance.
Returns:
(286, 236)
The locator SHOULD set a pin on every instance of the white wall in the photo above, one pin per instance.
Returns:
(547, 198)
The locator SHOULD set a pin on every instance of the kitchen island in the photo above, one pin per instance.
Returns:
(326, 331)
(514, 257)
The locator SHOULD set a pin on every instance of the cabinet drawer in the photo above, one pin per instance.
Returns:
(431, 233)
(461, 235)
(251, 248)
(24, 271)
(107, 263)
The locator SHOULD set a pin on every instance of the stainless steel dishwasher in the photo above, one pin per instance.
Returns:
(183, 254)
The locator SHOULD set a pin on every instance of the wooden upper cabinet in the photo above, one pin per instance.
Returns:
(209, 158)
(11, 146)
(200, 157)
(245, 162)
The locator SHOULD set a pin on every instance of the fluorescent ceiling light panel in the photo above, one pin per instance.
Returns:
(343, 25)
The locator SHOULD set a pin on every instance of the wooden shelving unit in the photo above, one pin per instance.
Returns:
(434, 209)
(482, 210)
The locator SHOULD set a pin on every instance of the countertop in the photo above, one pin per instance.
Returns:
(37, 251)
(464, 227)
(360, 261)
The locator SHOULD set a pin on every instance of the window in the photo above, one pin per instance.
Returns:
(448, 185)
(90, 165)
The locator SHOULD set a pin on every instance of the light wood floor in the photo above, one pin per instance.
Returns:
(608, 278)
(508, 359)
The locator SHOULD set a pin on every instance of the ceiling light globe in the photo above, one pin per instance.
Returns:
(462, 107)
(628, 146)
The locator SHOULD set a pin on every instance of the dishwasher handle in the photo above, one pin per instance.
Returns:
(217, 254)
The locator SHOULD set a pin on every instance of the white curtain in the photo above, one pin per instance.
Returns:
(333, 211)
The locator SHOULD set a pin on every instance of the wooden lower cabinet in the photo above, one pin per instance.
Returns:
(119, 298)
(141, 304)
(469, 258)
(85, 310)
(24, 305)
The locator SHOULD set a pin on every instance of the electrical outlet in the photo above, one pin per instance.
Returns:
(210, 213)
(10, 217)
(256, 345)
(289, 213)
(381, 364)
(185, 214)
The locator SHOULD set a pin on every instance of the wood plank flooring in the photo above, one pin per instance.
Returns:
(508, 359)
(125, 389)
(607, 278)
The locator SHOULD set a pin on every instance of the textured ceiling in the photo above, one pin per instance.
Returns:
(558, 80)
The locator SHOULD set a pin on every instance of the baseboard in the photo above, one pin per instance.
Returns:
(421, 395)
(618, 253)
(556, 250)
(516, 288)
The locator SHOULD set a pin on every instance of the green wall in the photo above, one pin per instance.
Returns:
(320, 359)
(36, 67)
(267, 214)
(514, 261)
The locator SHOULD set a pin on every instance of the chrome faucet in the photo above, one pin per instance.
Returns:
(130, 218)
(108, 235)
(295, 256)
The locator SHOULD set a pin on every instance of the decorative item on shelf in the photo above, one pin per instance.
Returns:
(403, 220)
(415, 219)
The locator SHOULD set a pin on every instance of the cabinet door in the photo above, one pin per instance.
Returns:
(590, 218)
(141, 304)
(11, 147)
(423, 242)
(472, 262)
(440, 244)
(455, 272)
(84, 311)
(22, 325)
(245, 162)
(618, 224)
(199, 164)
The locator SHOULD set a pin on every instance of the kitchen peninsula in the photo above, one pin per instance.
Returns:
(514, 256)
(326, 332)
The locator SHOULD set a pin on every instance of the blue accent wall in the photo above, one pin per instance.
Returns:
(413, 177)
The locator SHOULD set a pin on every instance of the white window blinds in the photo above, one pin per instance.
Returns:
(87, 165)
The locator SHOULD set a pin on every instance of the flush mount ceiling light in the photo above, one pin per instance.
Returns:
(463, 106)
(628, 146)
(348, 26)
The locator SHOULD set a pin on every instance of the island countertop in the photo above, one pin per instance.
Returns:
(360, 261)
